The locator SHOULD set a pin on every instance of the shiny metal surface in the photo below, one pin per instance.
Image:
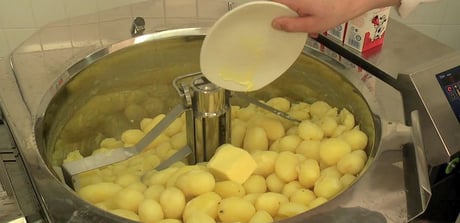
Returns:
(211, 119)
(183, 46)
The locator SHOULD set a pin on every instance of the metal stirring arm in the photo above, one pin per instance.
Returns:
(119, 154)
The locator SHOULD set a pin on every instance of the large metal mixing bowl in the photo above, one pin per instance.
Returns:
(89, 101)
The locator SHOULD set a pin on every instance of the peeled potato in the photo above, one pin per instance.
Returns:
(128, 199)
(351, 164)
(199, 217)
(96, 193)
(302, 196)
(132, 136)
(205, 203)
(319, 108)
(327, 186)
(265, 162)
(332, 150)
(280, 103)
(235, 209)
(255, 139)
(196, 182)
(229, 188)
(261, 217)
(289, 143)
(270, 202)
(255, 184)
(290, 209)
(150, 211)
(356, 138)
(286, 166)
(173, 202)
(274, 183)
(309, 172)
(308, 130)
(291, 187)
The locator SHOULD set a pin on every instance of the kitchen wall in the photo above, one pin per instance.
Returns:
(20, 18)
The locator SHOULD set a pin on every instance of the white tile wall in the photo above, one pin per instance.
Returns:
(20, 18)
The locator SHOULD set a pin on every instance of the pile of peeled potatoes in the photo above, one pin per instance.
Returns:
(273, 168)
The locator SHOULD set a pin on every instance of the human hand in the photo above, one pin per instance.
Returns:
(317, 16)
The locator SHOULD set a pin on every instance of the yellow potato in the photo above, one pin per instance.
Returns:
(361, 154)
(139, 186)
(173, 202)
(299, 114)
(270, 202)
(261, 217)
(290, 209)
(132, 136)
(111, 143)
(265, 162)
(331, 171)
(347, 180)
(356, 138)
(294, 130)
(331, 150)
(274, 183)
(308, 130)
(128, 199)
(205, 203)
(229, 188)
(327, 186)
(319, 109)
(351, 164)
(309, 149)
(146, 127)
(302, 196)
(199, 217)
(252, 197)
(255, 139)
(96, 193)
(127, 179)
(328, 125)
(154, 191)
(339, 131)
(150, 211)
(195, 182)
(309, 172)
(235, 209)
(317, 202)
(255, 184)
(179, 140)
(347, 119)
(169, 220)
(125, 214)
(290, 188)
(162, 176)
(274, 129)
(289, 143)
(275, 146)
(238, 131)
(246, 113)
(280, 103)
(286, 166)
(144, 123)
(181, 171)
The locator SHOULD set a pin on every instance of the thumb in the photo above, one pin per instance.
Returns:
(293, 24)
